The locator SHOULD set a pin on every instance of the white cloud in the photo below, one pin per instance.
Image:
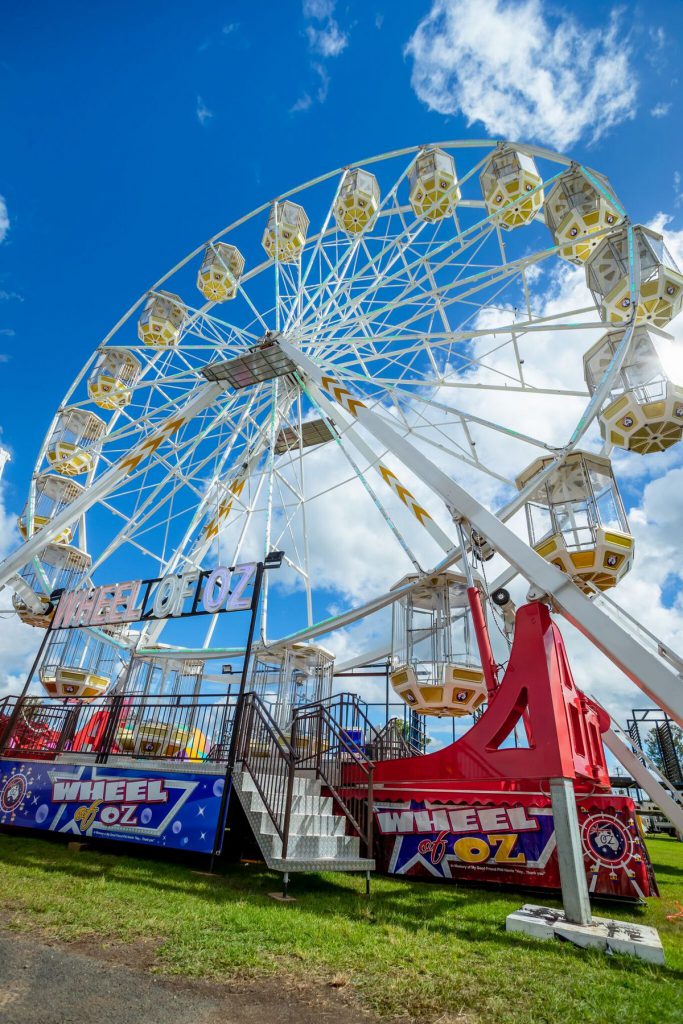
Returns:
(203, 113)
(303, 103)
(231, 27)
(18, 642)
(328, 41)
(321, 93)
(660, 109)
(318, 9)
(523, 73)
(4, 219)
(678, 192)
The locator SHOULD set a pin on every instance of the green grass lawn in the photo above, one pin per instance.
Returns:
(420, 951)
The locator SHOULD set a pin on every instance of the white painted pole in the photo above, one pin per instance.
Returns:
(575, 899)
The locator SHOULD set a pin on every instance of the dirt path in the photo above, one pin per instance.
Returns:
(60, 984)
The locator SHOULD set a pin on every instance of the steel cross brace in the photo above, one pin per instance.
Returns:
(648, 673)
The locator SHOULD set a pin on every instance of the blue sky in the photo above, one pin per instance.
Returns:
(131, 133)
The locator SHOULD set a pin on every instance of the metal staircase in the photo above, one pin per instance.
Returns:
(317, 839)
(307, 795)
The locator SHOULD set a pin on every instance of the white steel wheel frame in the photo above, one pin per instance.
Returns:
(404, 316)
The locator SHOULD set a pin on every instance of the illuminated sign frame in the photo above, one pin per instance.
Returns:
(209, 591)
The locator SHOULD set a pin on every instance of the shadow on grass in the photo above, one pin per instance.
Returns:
(455, 912)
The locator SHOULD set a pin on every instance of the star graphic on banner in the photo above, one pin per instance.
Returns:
(406, 855)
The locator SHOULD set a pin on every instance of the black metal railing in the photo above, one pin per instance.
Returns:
(167, 728)
(323, 745)
(317, 743)
(393, 743)
(262, 749)
(395, 739)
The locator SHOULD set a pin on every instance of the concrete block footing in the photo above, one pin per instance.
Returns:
(602, 933)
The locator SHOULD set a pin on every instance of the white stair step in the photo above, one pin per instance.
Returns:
(307, 825)
(271, 784)
(311, 850)
(342, 864)
(300, 804)
(307, 804)
(316, 847)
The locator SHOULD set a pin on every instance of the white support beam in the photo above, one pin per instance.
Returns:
(375, 460)
(645, 779)
(647, 671)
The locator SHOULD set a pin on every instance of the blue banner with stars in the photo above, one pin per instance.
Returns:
(174, 810)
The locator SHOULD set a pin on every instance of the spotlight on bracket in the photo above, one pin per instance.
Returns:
(501, 598)
(273, 559)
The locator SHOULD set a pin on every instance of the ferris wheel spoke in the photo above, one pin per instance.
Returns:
(316, 250)
(446, 447)
(410, 239)
(391, 250)
(386, 208)
(386, 280)
(223, 495)
(405, 240)
(405, 496)
(243, 292)
(469, 417)
(445, 340)
(151, 504)
(425, 261)
(269, 512)
(447, 300)
(362, 477)
(196, 556)
(439, 339)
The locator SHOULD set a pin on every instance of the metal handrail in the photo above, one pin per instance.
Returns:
(264, 751)
(336, 758)
(387, 743)
(176, 728)
(648, 763)
(647, 638)
(392, 742)
(343, 701)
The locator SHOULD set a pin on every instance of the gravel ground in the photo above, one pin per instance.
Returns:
(59, 984)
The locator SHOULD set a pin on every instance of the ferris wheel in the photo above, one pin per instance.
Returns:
(356, 373)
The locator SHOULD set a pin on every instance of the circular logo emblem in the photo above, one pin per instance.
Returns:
(13, 792)
(607, 840)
